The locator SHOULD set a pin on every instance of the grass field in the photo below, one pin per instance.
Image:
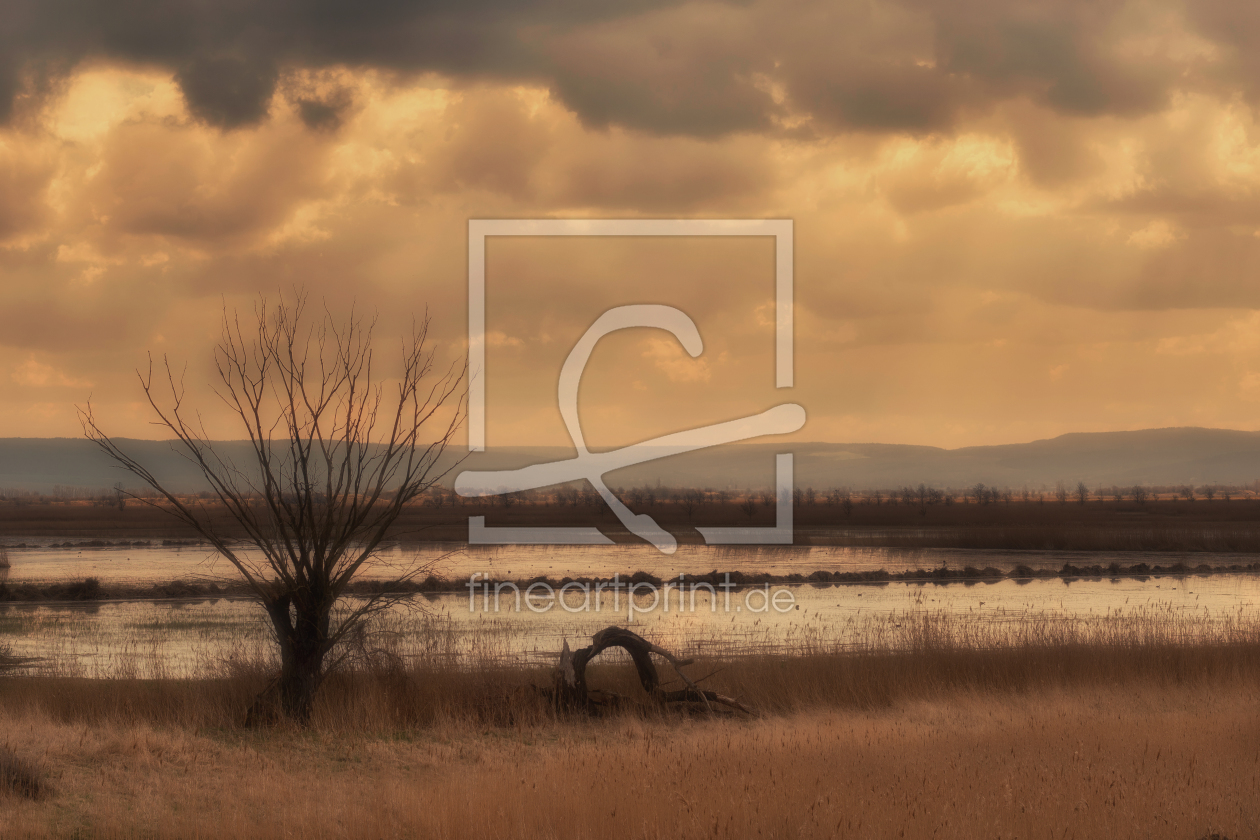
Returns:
(1113, 762)
(1137, 730)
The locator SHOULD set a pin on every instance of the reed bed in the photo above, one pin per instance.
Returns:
(412, 671)
(1127, 725)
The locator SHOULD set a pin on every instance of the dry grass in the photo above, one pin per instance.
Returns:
(19, 777)
(1144, 763)
(1142, 726)
(416, 670)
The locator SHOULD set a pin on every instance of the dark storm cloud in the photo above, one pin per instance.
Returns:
(319, 116)
(1235, 25)
(1070, 55)
(226, 91)
(693, 67)
(226, 54)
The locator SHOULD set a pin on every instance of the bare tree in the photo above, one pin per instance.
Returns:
(1139, 494)
(1082, 492)
(1208, 491)
(333, 462)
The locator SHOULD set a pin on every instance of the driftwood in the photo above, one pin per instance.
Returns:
(573, 694)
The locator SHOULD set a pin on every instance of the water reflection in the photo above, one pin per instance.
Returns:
(40, 561)
(184, 638)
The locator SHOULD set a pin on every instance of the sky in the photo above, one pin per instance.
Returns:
(1012, 219)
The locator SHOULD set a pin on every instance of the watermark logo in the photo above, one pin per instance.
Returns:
(636, 598)
(591, 466)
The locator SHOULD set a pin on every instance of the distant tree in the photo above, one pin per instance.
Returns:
(1061, 492)
(1209, 491)
(846, 503)
(748, 507)
(1117, 493)
(1187, 493)
(691, 500)
(1082, 492)
(1139, 494)
(980, 493)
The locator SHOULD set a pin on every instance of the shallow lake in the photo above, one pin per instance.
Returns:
(182, 638)
(39, 561)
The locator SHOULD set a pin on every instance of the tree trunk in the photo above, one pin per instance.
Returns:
(299, 680)
(302, 631)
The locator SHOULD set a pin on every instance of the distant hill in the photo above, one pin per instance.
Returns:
(1151, 456)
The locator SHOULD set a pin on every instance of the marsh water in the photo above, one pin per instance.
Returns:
(40, 560)
(147, 638)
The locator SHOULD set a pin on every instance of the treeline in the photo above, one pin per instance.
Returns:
(921, 495)
(116, 496)
(690, 499)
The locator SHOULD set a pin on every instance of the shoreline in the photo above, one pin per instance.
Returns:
(95, 590)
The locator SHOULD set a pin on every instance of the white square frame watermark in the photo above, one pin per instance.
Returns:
(479, 229)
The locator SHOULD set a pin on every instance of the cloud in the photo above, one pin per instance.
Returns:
(25, 174)
(226, 91)
(155, 179)
(970, 213)
(673, 361)
(40, 375)
(696, 67)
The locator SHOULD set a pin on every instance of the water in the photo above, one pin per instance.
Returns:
(40, 562)
(186, 638)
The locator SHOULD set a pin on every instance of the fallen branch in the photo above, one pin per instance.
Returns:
(572, 692)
